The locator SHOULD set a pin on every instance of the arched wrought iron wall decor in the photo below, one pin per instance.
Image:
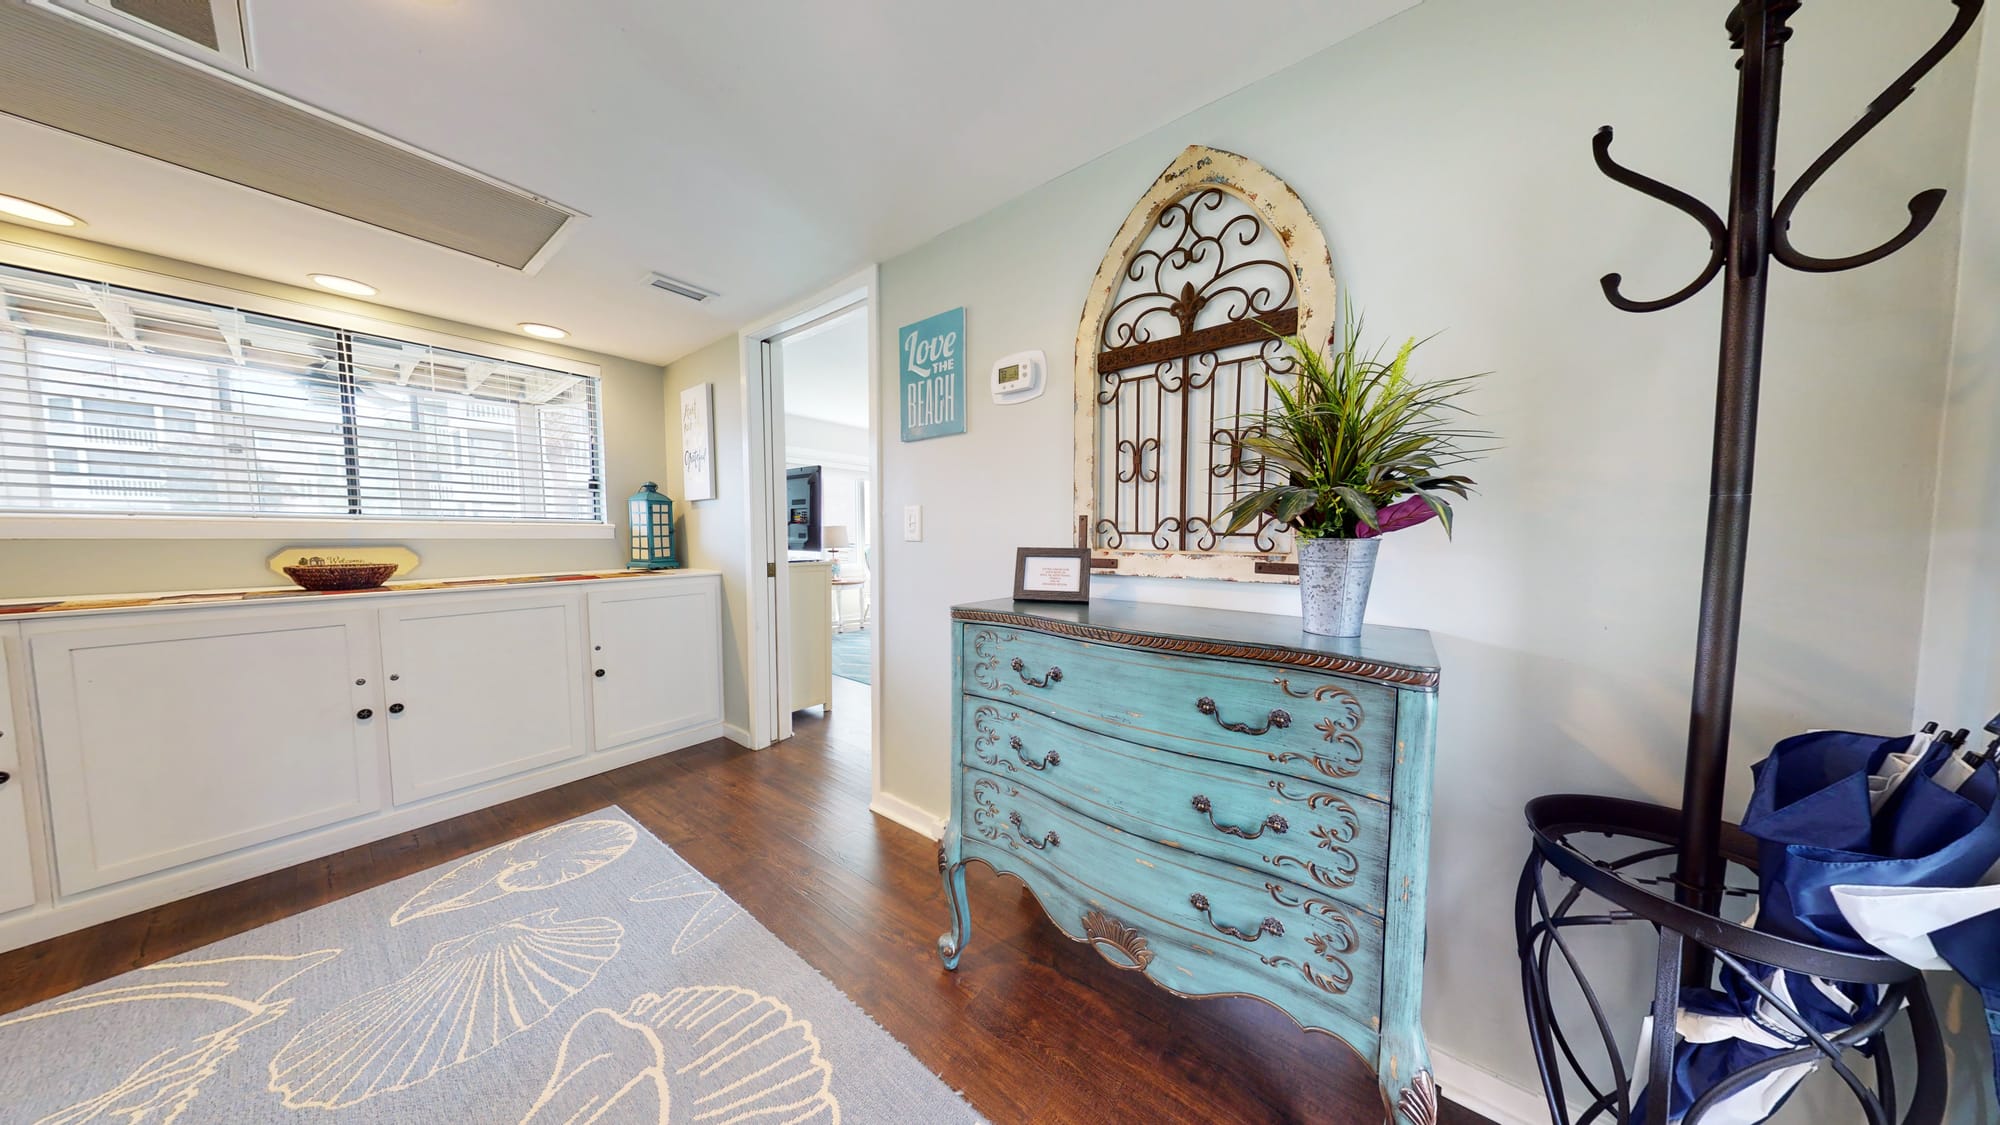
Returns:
(1216, 262)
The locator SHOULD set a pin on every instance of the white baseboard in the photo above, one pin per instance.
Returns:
(907, 815)
(1486, 1093)
(67, 914)
(739, 735)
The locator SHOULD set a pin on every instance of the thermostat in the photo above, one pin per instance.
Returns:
(1019, 377)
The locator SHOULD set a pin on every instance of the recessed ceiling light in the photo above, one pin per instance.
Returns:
(543, 331)
(342, 284)
(36, 213)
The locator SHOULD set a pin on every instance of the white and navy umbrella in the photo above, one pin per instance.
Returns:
(1872, 816)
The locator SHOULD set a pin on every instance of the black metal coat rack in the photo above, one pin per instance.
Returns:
(1697, 841)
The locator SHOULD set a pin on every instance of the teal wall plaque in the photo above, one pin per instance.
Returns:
(931, 354)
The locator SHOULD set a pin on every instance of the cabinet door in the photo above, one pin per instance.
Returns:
(480, 689)
(17, 871)
(656, 660)
(173, 741)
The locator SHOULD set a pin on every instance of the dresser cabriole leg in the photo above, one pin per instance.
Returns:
(952, 868)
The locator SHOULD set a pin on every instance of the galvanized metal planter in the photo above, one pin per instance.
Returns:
(1334, 577)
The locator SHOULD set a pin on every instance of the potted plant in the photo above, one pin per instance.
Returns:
(1362, 450)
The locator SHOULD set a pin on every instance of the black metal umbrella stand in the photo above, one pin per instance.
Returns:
(1590, 868)
(1599, 847)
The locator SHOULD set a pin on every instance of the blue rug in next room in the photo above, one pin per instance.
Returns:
(581, 973)
(851, 652)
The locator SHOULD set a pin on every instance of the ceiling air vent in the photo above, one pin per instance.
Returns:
(216, 27)
(680, 288)
(74, 67)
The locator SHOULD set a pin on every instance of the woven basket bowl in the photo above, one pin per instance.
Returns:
(341, 576)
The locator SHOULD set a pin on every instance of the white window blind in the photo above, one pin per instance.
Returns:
(119, 401)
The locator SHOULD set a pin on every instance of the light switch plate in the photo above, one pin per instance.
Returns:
(913, 523)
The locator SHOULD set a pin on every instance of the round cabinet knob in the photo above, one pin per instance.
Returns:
(395, 708)
(5, 777)
(600, 673)
(364, 714)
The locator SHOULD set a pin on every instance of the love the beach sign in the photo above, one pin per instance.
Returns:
(931, 353)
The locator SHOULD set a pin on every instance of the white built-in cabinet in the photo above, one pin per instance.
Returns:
(17, 869)
(481, 688)
(641, 684)
(168, 741)
(173, 749)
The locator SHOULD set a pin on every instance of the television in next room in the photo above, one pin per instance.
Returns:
(802, 508)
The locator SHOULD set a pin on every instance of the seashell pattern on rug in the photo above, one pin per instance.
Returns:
(712, 909)
(470, 995)
(534, 862)
(709, 1054)
(161, 1088)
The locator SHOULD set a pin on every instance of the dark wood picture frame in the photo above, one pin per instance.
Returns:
(1023, 594)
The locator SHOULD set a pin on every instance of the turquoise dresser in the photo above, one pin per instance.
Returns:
(1218, 800)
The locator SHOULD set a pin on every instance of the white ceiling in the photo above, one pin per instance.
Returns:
(763, 150)
(826, 371)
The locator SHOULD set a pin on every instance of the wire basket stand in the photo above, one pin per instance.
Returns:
(1589, 850)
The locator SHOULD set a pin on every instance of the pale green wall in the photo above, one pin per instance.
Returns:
(718, 531)
(635, 452)
(1446, 154)
(1961, 670)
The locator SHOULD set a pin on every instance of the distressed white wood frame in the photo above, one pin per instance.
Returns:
(1198, 168)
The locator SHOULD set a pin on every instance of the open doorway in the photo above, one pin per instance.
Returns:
(814, 495)
(829, 526)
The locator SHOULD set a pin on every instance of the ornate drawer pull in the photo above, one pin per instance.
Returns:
(1020, 669)
(1268, 926)
(1274, 823)
(1279, 720)
(1048, 841)
(1049, 759)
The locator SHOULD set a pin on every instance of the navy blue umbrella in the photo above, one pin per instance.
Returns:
(1835, 809)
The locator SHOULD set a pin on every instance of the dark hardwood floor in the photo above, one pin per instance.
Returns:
(1032, 1028)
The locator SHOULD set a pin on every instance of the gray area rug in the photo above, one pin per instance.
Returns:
(583, 973)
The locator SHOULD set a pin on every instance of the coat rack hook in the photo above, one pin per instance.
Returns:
(1718, 234)
(1923, 207)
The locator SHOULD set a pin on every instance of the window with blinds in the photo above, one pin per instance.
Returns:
(119, 401)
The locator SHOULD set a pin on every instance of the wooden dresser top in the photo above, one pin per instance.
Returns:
(1401, 657)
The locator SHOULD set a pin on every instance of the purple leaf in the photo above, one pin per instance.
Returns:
(1403, 513)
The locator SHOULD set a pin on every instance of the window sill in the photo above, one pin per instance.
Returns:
(210, 527)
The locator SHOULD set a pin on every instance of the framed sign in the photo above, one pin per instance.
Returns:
(931, 355)
(698, 442)
(1052, 574)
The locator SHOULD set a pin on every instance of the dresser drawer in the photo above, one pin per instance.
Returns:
(1216, 929)
(1324, 840)
(1324, 729)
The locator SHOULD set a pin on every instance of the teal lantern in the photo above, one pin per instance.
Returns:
(652, 518)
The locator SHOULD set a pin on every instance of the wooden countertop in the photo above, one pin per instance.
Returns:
(36, 607)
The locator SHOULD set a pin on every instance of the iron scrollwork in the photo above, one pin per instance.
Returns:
(1183, 355)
